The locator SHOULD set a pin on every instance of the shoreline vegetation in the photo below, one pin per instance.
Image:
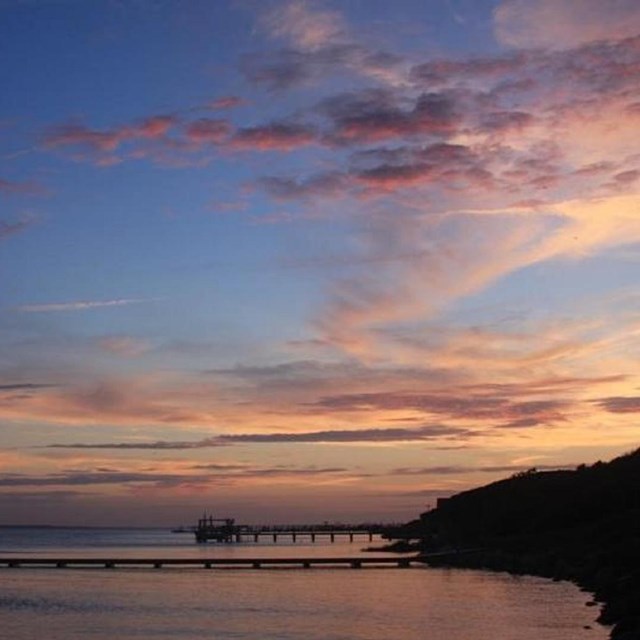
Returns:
(580, 525)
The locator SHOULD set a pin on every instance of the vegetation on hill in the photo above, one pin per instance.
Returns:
(581, 525)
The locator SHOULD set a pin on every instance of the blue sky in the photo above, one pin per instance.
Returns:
(305, 253)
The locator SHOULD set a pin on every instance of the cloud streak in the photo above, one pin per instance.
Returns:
(81, 305)
(158, 445)
(12, 188)
(550, 24)
(428, 432)
(620, 404)
(480, 407)
(396, 434)
(108, 140)
(216, 475)
(25, 386)
(11, 228)
(461, 470)
(281, 136)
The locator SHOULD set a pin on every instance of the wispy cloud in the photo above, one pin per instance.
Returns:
(160, 445)
(207, 131)
(102, 146)
(462, 470)
(620, 404)
(375, 115)
(282, 136)
(154, 126)
(82, 305)
(11, 228)
(204, 475)
(317, 42)
(398, 434)
(494, 407)
(226, 102)
(12, 188)
(303, 25)
(128, 346)
(25, 386)
(428, 432)
(86, 478)
(547, 23)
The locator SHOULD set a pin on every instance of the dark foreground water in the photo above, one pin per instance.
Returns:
(268, 604)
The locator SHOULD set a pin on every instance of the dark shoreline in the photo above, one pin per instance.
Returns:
(617, 605)
(505, 563)
(582, 526)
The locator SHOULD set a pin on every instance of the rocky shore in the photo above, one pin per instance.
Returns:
(581, 525)
(618, 594)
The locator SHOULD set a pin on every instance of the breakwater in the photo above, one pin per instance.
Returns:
(209, 563)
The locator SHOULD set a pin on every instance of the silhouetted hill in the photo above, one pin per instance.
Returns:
(535, 502)
(581, 525)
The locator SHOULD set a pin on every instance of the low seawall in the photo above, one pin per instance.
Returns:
(208, 563)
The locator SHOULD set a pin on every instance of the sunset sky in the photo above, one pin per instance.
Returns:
(298, 261)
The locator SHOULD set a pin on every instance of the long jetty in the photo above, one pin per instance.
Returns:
(209, 563)
(226, 530)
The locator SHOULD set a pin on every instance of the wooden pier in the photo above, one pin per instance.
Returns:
(210, 563)
(226, 530)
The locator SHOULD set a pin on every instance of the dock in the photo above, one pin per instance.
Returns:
(226, 530)
(210, 563)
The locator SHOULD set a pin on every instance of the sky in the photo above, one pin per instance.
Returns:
(307, 261)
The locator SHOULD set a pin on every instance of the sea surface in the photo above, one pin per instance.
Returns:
(322, 603)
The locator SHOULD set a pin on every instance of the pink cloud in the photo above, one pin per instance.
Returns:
(500, 121)
(319, 42)
(619, 404)
(12, 188)
(78, 134)
(446, 166)
(322, 185)
(494, 407)
(10, 228)
(153, 127)
(127, 346)
(595, 168)
(441, 71)
(566, 24)
(452, 256)
(372, 116)
(109, 401)
(207, 131)
(105, 143)
(303, 24)
(627, 177)
(227, 102)
(382, 171)
(286, 68)
(277, 136)
(391, 177)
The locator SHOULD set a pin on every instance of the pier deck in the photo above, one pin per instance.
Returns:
(226, 530)
(209, 563)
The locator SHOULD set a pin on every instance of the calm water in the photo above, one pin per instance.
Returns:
(269, 604)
